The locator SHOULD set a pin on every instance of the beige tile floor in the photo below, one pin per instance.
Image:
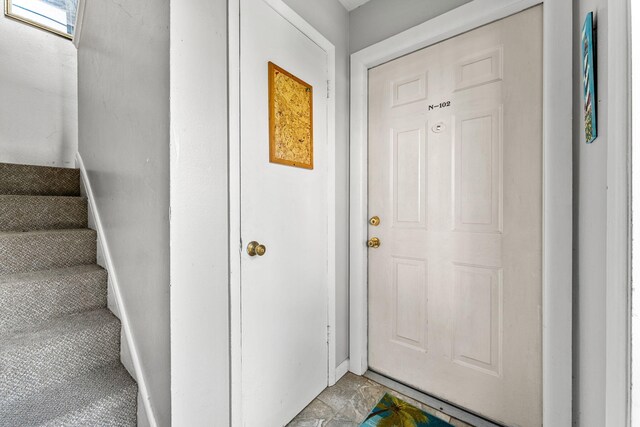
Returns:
(349, 401)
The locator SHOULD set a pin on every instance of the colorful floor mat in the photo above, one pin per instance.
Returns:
(394, 412)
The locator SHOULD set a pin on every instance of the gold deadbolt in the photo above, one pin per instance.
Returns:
(254, 248)
(375, 221)
(373, 242)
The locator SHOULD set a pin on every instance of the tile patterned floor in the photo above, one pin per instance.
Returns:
(349, 401)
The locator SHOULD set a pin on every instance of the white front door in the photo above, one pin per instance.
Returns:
(284, 293)
(455, 176)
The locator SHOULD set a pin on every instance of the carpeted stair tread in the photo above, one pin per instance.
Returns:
(59, 344)
(43, 250)
(27, 213)
(38, 180)
(29, 299)
(43, 274)
(105, 396)
(63, 348)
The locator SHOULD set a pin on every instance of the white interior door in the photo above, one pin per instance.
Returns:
(455, 175)
(284, 293)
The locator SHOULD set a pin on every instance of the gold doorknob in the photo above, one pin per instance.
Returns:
(373, 242)
(375, 221)
(254, 248)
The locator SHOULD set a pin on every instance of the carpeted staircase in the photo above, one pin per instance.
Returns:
(59, 344)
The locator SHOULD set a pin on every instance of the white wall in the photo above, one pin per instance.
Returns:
(331, 19)
(380, 19)
(590, 230)
(199, 215)
(123, 76)
(38, 96)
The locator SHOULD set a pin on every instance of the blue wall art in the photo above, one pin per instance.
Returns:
(589, 80)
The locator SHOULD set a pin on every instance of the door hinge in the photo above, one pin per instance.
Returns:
(328, 89)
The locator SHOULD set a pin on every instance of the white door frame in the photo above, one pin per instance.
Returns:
(634, 183)
(235, 248)
(618, 295)
(557, 181)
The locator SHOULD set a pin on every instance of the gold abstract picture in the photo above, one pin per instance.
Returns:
(290, 119)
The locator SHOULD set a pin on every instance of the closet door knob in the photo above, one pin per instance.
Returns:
(254, 248)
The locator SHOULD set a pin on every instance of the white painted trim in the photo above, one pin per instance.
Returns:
(235, 237)
(342, 369)
(557, 177)
(113, 279)
(635, 218)
(234, 193)
(618, 285)
(79, 22)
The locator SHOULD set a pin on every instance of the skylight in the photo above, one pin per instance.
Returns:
(57, 16)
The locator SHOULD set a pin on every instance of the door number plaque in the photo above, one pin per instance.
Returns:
(443, 104)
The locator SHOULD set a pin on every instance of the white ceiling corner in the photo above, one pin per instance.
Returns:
(352, 4)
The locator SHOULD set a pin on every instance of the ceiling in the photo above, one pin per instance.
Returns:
(352, 4)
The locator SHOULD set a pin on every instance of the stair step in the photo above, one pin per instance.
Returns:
(29, 299)
(28, 213)
(105, 396)
(44, 250)
(38, 180)
(65, 348)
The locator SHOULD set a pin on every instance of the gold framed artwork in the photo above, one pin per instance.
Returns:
(290, 119)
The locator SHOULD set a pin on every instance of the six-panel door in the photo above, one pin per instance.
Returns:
(455, 175)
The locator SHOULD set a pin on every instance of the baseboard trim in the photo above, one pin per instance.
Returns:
(113, 278)
(342, 369)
